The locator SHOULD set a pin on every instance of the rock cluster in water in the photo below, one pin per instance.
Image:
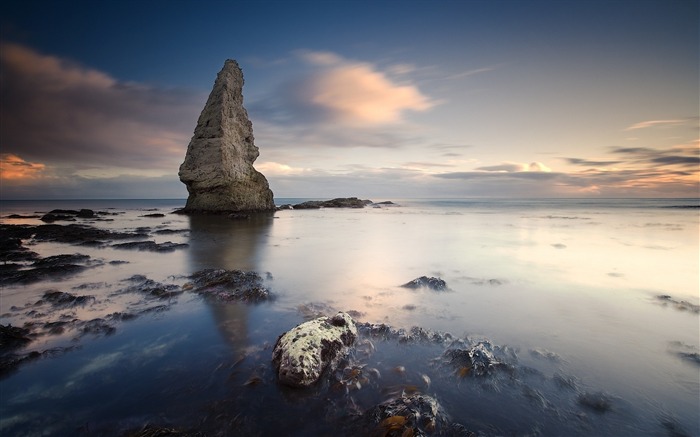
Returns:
(218, 168)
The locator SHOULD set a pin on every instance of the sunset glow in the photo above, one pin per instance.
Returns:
(12, 167)
(456, 99)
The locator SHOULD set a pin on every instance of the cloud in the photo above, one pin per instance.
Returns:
(348, 93)
(683, 155)
(13, 167)
(511, 167)
(590, 163)
(657, 123)
(60, 113)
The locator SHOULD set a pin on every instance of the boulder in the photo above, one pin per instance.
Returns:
(433, 283)
(339, 202)
(302, 354)
(218, 168)
(412, 415)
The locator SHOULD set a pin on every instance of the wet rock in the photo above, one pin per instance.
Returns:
(61, 299)
(153, 215)
(63, 259)
(412, 415)
(71, 234)
(86, 213)
(682, 305)
(158, 431)
(97, 327)
(9, 363)
(19, 216)
(170, 231)
(11, 249)
(151, 246)
(151, 288)
(598, 402)
(230, 285)
(50, 217)
(684, 351)
(432, 283)
(340, 202)
(477, 360)
(13, 337)
(302, 354)
(51, 267)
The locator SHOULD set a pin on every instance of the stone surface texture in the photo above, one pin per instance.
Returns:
(218, 168)
(302, 354)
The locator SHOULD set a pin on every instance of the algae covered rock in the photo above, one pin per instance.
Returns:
(302, 354)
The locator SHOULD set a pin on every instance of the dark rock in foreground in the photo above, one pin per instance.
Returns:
(151, 246)
(151, 288)
(412, 415)
(432, 283)
(51, 267)
(229, 285)
(302, 354)
(61, 299)
(13, 337)
(477, 360)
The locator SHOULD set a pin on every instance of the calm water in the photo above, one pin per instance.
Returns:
(570, 286)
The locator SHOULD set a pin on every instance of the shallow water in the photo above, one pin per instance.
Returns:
(570, 286)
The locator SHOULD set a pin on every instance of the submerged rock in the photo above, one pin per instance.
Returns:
(230, 285)
(218, 168)
(340, 202)
(13, 337)
(477, 360)
(61, 299)
(302, 354)
(52, 267)
(151, 246)
(432, 283)
(412, 415)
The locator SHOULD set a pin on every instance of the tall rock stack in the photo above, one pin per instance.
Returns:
(218, 168)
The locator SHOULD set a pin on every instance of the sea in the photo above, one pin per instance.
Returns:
(592, 304)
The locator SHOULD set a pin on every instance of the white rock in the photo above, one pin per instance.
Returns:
(302, 354)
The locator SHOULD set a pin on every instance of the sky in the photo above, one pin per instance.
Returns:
(375, 99)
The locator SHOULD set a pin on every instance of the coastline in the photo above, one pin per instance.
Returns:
(249, 330)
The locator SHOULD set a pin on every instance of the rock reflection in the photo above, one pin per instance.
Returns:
(223, 243)
(220, 242)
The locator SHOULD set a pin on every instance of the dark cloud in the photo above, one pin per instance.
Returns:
(682, 160)
(590, 163)
(57, 112)
(685, 155)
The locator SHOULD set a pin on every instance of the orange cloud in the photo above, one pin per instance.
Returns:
(12, 167)
(356, 93)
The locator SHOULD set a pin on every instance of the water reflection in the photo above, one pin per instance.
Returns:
(223, 243)
(233, 244)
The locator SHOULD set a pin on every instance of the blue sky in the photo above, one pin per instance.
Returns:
(381, 99)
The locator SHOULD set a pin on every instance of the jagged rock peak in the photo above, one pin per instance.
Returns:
(218, 168)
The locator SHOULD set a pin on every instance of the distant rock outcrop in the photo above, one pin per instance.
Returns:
(218, 168)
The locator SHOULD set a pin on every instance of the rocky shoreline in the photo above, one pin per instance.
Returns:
(332, 357)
